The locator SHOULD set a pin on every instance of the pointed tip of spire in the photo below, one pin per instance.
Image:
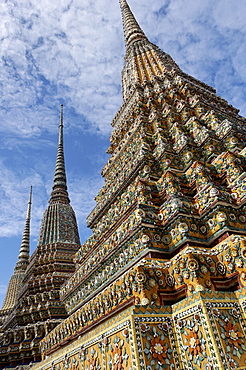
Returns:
(59, 190)
(30, 195)
(23, 257)
(132, 30)
(61, 114)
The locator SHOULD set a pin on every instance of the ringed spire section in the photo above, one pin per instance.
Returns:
(59, 190)
(59, 223)
(16, 280)
(144, 61)
(132, 30)
(23, 258)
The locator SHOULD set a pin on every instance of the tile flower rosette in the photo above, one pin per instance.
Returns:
(194, 344)
(93, 361)
(232, 336)
(118, 351)
(156, 346)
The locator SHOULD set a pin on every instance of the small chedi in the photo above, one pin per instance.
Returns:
(32, 306)
(161, 282)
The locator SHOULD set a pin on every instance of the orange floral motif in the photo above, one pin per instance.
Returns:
(92, 363)
(232, 363)
(194, 344)
(233, 335)
(117, 359)
(158, 349)
(75, 366)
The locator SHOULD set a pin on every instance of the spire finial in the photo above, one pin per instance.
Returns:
(23, 258)
(132, 30)
(61, 114)
(59, 190)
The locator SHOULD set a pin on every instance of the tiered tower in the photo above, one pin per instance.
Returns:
(161, 282)
(16, 280)
(32, 302)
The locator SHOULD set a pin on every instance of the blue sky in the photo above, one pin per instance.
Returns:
(72, 52)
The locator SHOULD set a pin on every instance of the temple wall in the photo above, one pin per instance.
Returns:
(204, 331)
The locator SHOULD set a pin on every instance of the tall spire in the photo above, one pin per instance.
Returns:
(59, 222)
(144, 61)
(132, 30)
(16, 280)
(59, 190)
(23, 257)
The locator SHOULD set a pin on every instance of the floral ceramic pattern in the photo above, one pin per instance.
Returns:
(232, 335)
(192, 269)
(118, 351)
(92, 360)
(156, 346)
(194, 342)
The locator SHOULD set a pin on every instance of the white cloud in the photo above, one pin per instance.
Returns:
(13, 201)
(64, 50)
(82, 193)
(3, 289)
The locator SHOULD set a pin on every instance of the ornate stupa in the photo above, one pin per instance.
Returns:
(160, 284)
(16, 280)
(32, 305)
